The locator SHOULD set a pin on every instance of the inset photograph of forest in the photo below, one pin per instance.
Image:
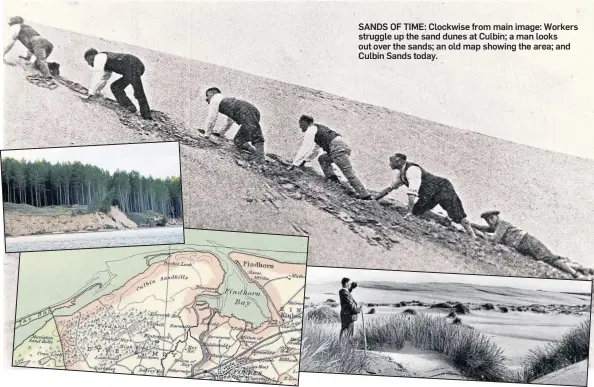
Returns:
(92, 197)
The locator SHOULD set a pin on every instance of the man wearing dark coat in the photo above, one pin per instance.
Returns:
(348, 308)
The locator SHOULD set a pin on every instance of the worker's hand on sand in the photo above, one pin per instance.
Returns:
(408, 215)
(85, 97)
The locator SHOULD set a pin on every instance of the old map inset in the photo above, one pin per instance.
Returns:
(223, 306)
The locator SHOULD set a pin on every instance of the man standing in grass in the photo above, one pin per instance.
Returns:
(129, 67)
(425, 191)
(336, 151)
(503, 232)
(348, 308)
(249, 137)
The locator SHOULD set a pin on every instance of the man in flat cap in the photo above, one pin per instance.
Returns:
(425, 191)
(38, 47)
(348, 308)
(503, 232)
(249, 137)
(335, 149)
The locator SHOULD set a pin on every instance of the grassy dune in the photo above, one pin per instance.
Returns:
(471, 352)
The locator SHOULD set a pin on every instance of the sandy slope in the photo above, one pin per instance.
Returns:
(18, 224)
(574, 375)
(501, 175)
(423, 364)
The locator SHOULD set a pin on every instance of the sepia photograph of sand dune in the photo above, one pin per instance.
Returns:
(445, 326)
(509, 130)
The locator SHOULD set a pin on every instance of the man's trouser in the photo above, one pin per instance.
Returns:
(439, 191)
(347, 326)
(42, 48)
(250, 132)
(531, 246)
(132, 75)
(339, 155)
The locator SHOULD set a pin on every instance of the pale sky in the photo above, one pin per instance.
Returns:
(128, 157)
(545, 100)
(322, 275)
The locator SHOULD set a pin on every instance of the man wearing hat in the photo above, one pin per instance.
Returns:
(249, 137)
(129, 67)
(336, 151)
(507, 234)
(348, 308)
(425, 191)
(39, 48)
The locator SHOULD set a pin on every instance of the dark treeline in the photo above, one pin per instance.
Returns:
(41, 183)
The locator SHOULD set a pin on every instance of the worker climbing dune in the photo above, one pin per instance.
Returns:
(38, 49)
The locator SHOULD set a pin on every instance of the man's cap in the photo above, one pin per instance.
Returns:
(15, 20)
(91, 51)
(486, 214)
(306, 117)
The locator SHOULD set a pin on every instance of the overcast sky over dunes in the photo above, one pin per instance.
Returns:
(323, 275)
(128, 157)
(539, 99)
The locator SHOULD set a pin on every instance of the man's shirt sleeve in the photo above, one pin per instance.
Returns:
(11, 37)
(309, 149)
(414, 175)
(213, 113)
(100, 76)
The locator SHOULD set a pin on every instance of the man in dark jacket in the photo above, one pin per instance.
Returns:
(129, 67)
(429, 189)
(249, 137)
(348, 308)
(319, 138)
(39, 48)
(501, 231)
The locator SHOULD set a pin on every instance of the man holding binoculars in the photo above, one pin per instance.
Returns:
(348, 308)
